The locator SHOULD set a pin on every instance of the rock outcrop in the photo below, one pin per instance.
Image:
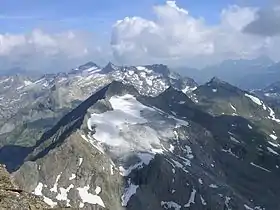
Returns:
(11, 197)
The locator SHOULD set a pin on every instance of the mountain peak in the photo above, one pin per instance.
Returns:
(217, 80)
(87, 67)
(110, 67)
(159, 68)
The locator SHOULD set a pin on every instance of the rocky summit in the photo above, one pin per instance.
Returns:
(12, 197)
(140, 137)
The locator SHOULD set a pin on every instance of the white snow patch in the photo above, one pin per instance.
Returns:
(157, 151)
(214, 90)
(18, 88)
(273, 136)
(54, 188)
(90, 140)
(49, 201)
(149, 81)
(234, 140)
(273, 144)
(38, 191)
(97, 190)
(81, 205)
(39, 80)
(171, 147)
(268, 94)
(128, 193)
(232, 107)
(26, 82)
(230, 152)
(188, 89)
(5, 80)
(191, 199)
(73, 176)
(62, 80)
(213, 186)
(262, 168)
(212, 165)
(93, 69)
(200, 181)
(272, 115)
(173, 170)
(112, 169)
(227, 200)
(272, 151)
(80, 161)
(88, 197)
(169, 205)
(189, 152)
(109, 124)
(250, 127)
(141, 68)
(179, 165)
(248, 207)
(63, 195)
(254, 99)
(187, 162)
(203, 202)
(131, 72)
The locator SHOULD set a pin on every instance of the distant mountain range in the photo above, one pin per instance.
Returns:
(139, 137)
(246, 74)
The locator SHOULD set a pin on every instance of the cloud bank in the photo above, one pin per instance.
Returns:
(177, 38)
(41, 51)
(173, 37)
(267, 23)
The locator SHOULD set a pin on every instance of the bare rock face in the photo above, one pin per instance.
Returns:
(11, 197)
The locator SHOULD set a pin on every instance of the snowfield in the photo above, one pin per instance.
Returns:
(110, 124)
(125, 128)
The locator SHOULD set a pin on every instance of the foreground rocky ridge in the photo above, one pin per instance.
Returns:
(12, 197)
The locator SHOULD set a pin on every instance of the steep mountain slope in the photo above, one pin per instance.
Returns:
(123, 150)
(220, 98)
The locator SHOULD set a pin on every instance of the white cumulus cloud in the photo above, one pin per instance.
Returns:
(39, 50)
(176, 37)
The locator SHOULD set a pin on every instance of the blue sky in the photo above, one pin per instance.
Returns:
(95, 15)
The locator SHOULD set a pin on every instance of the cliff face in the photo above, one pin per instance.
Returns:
(11, 197)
